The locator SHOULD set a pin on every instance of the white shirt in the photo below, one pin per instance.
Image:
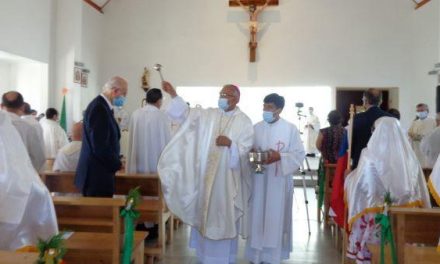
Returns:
(68, 157)
(418, 130)
(32, 140)
(54, 137)
(150, 131)
(108, 101)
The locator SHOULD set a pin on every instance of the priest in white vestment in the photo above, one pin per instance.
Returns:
(54, 135)
(27, 211)
(434, 182)
(312, 129)
(12, 103)
(380, 171)
(421, 127)
(150, 132)
(205, 173)
(68, 156)
(270, 220)
(430, 145)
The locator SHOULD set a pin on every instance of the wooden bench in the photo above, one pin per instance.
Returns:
(91, 214)
(91, 248)
(329, 176)
(413, 226)
(11, 257)
(152, 208)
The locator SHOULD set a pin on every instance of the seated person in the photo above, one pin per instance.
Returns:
(68, 156)
(387, 164)
(330, 138)
(27, 211)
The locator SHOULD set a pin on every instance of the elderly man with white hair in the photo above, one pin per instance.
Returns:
(27, 211)
(99, 158)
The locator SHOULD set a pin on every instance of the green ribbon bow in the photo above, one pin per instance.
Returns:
(386, 236)
(129, 215)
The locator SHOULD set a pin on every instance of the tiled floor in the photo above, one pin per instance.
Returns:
(316, 248)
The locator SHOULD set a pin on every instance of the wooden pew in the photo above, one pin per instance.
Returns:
(152, 208)
(9, 257)
(97, 229)
(329, 176)
(91, 214)
(413, 226)
(91, 248)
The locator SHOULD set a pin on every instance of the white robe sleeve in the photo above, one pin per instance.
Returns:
(177, 109)
(234, 160)
(294, 157)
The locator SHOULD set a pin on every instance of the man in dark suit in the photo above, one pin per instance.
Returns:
(363, 123)
(99, 158)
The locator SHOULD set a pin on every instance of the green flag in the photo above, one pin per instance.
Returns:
(63, 117)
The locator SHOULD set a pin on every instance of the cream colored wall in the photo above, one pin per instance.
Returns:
(324, 42)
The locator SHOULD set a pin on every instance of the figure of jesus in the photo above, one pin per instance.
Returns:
(253, 11)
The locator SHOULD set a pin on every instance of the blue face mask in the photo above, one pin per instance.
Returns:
(119, 101)
(268, 116)
(223, 104)
(422, 115)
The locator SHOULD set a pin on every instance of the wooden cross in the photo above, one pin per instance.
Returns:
(253, 8)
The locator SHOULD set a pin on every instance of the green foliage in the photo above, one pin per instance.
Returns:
(53, 248)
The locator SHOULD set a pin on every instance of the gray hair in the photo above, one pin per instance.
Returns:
(114, 83)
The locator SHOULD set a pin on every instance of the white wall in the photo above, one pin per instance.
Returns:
(76, 38)
(25, 28)
(303, 43)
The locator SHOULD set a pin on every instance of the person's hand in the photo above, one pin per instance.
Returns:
(169, 89)
(274, 156)
(223, 141)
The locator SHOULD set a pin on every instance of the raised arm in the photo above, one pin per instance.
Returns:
(258, 11)
(243, 6)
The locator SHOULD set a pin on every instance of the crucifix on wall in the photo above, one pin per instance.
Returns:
(253, 8)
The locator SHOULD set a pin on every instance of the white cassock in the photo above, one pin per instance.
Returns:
(430, 147)
(54, 137)
(270, 220)
(379, 171)
(150, 131)
(312, 133)
(419, 129)
(32, 139)
(207, 186)
(68, 157)
(27, 211)
(434, 182)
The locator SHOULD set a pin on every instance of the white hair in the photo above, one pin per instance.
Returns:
(114, 83)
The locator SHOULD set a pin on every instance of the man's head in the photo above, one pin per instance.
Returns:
(116, 90)
(154, 97)
(372, 97)
(52, 114)
(334, 118)
(272, 107)
(229, 97)
(77, 131)
(13, 102)
(395, 113)
(311, 110)
(27, 109)
(422, 111)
